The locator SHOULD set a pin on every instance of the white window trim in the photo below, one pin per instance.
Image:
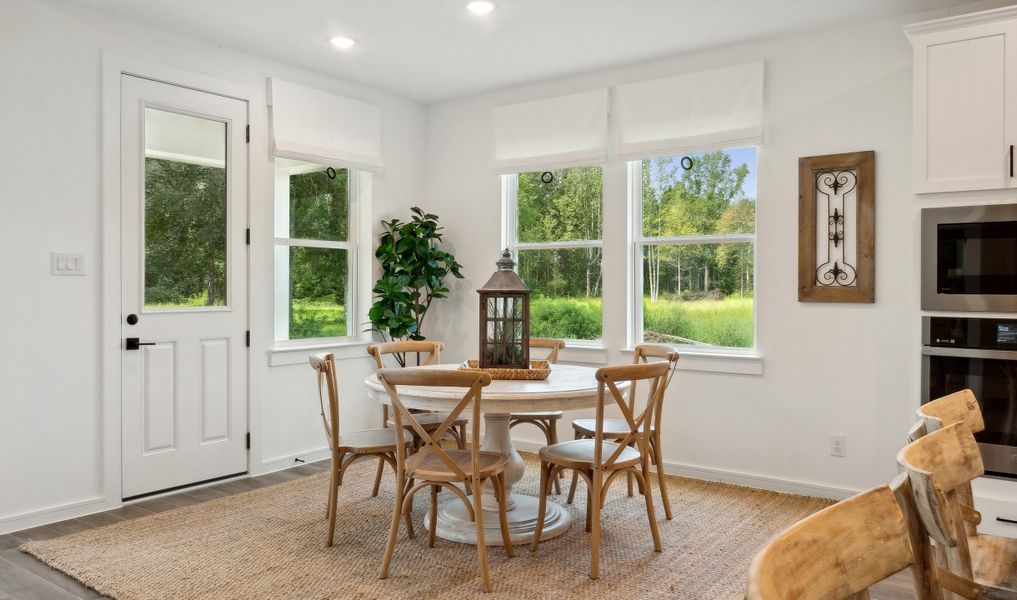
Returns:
(359, 189)
(713, 356)
(510, 240)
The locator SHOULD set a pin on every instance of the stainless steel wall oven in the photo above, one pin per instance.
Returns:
(980, 354)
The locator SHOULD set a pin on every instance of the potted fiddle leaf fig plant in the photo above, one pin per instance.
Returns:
(414, 269)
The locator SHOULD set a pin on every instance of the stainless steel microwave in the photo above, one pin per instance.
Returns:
(969, 258)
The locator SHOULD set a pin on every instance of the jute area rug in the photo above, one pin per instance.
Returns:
(270, 543)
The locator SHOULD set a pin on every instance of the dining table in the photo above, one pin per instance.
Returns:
(568, 387)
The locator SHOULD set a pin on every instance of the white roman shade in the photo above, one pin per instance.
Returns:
(719, 108)
(316, 126)
(564, 131)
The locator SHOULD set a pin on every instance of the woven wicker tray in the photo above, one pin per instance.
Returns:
(539, 369)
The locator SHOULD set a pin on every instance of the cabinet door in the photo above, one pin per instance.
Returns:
(963, 120)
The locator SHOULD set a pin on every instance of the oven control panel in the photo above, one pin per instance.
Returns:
(965, 332)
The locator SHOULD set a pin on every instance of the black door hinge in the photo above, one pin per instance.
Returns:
(247, 134)
(248, 236)
(248, 440)
(247, 340)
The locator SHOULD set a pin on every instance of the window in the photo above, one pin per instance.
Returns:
(554, 227)
(694, 248)
(314, 251)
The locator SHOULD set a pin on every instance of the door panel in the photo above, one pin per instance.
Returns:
(160, 410)
(184, 273)
(215, 396)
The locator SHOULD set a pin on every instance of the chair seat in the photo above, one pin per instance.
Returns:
(578, 454)
(994, 560)
(432, 468)
(613, 428)
(370, 440)
(537, 416)
(430, 421)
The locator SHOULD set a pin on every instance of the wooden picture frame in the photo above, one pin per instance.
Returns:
(845, 184)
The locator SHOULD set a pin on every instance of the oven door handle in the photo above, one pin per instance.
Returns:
(969, 353)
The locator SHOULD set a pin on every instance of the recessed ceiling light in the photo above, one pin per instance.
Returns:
(343, 42)
(480, 7)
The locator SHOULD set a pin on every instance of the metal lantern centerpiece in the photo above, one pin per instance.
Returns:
(505, 318)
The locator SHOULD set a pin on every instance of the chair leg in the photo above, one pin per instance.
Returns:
(478, 511)
(434, 517)
(461, 438)
(407, 509)
(594, 516)
(658, 463)
(506, 539)
(552, 439)
(649, 507)
(545, 469)
(333, 499)
(377, 477)
(589, 507)
(575, 476)
(393, 531)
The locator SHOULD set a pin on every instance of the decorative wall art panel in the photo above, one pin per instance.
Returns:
(836, 228)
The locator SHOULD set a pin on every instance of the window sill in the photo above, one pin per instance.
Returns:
(592, 352)
(279, 356)
(718, 361)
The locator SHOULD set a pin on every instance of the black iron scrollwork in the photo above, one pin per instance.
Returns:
(547, 177)
(835, 187)
(686, 162)
(330, 173)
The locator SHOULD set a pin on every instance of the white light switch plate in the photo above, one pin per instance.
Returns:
(67, 264)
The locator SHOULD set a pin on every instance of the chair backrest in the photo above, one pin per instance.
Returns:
(937, 465)
(554, 345)
(428, 352)
(641, 355)
(472, 382)
(958, 407)
(840, 552)
(324, 365)
(608, 378)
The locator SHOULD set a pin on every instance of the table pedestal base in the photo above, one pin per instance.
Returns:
(454, 522)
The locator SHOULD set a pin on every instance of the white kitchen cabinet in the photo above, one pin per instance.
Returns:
(965, 101)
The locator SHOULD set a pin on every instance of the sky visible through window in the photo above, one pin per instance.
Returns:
(738, 156)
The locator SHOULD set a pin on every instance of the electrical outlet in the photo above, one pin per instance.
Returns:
(838, 445)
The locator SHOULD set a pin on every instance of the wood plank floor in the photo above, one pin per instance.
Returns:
(22, 577)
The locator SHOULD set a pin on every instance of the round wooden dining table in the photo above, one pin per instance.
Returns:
(567, 388)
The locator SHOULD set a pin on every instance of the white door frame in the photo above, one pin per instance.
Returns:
(114, 66)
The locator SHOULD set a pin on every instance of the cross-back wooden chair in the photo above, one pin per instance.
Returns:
(434, 467)
(427, 353)
(938, 464)
(600, 460)
(546, 421)
(958, 407)
(618, 428)
(842, 550)
(346, 447)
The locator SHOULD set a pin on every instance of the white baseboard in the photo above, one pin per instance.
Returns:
(289, 461)
(52, 514)
(764, 482)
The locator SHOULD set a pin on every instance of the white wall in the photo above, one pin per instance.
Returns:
(51, 438)
(839, 368)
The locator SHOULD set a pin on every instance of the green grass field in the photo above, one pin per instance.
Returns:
(727, 322)
(309, 319)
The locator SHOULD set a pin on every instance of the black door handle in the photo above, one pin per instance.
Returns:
(135, 344)
(1011, 160)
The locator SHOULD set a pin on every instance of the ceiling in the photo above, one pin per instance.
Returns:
(431, 50)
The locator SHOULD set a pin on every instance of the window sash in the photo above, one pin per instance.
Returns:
(636, 264)
(510, 238)
(282, 284)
